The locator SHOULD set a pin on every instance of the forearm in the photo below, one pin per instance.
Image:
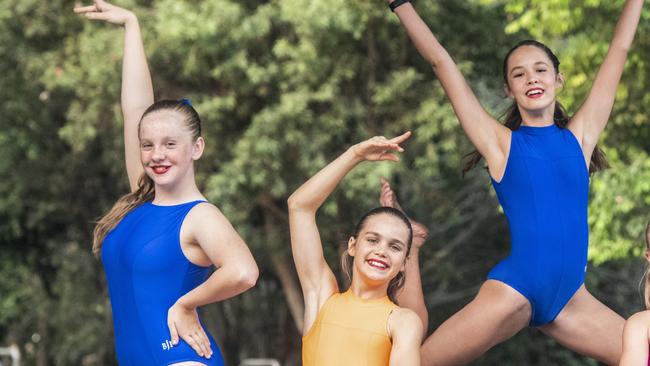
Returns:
(627, 25)
(224, 283)
(411, 295)
(311, 195)
(137, 89)
(421, 36)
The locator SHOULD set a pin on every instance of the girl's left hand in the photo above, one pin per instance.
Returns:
(184, 323)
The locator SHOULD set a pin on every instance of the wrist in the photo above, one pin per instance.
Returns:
(355, 155)
(184, 304)
(131, 20)
(394, 4)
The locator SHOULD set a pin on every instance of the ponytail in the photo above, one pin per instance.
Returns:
(144, 193)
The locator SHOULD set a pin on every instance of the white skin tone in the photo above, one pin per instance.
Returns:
(379, 250)
(413, 284)
(164, 149)
(636, 335)
(498, 312)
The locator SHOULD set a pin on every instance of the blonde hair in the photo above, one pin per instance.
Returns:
(145, 193)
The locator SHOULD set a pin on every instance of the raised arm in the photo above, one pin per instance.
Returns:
(490, 138)
(590, 120)
(635, 340)
(411, 295)
(137, 89)
(316, 278)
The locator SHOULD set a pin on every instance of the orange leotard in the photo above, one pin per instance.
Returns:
(349, 331)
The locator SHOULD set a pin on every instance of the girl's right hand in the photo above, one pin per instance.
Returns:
(378, 148)
(388, 198)
(106, 12)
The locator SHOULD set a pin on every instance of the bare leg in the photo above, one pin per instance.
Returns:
(497, 313)
(588, 327)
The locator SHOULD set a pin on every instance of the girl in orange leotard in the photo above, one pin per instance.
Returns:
(361, 326)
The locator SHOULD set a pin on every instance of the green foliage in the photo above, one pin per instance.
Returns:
(284, 86)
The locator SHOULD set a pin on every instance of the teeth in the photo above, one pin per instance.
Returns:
(534, 92)
(377, 264)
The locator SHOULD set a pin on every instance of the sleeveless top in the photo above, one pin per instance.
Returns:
(544, 195)
(147, 272)
(349, 331)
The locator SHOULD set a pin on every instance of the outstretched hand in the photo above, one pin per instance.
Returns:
(184, 323)
(380, 148)
(102, 10)
(388, 198)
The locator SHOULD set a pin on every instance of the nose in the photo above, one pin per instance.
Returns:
(158, 153)
(532, 80)
(380, 250)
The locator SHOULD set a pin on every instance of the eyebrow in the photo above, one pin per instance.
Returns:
(535, 64)
(379, 235)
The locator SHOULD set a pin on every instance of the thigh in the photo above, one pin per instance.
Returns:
(588, 327)
(497, 313)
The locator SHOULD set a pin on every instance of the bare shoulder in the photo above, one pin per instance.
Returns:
(404, 321)
(642, 318)
(205, 219)
(204, 212)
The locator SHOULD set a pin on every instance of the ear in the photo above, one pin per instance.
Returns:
(507, 91)
(197, 148)
(559, 80)
(403, 267)
(352, 246)
(647, 256)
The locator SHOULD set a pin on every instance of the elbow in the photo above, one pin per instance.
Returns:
(295, 203)
(247, 278)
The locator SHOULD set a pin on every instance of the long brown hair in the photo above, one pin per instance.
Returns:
(512, 117)
(146, 188)
(346, 259)
(646, 291)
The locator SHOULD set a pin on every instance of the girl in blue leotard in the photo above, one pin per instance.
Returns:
(160, 243)
(539, 163)
(636, 336)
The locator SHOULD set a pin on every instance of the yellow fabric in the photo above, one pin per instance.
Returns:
(349, 331)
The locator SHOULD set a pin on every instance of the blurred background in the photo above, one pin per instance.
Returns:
(283, 87)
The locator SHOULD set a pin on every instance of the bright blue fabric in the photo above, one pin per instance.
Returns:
(147, 272)
(544, 193)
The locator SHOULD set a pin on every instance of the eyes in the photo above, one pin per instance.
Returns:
(394, 246)
(519, 74)
(148, 146)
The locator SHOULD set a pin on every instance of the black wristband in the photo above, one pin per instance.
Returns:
(395, 4)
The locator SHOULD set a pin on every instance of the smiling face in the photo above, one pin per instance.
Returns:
(380, 249)
(167, 148)
(531, 78)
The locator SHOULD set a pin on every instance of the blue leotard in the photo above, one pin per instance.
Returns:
(147, 272)
(544, 196)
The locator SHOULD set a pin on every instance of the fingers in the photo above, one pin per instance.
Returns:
(96, 16)
(401, 138)
(199, 342)
(84, 9)
(390, 157)
(173, 332)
